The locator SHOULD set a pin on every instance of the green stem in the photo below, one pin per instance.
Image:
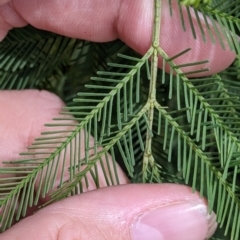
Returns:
(148, 158)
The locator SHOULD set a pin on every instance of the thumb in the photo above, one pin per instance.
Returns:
(140, 212)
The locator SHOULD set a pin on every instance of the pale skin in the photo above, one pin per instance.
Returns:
(106, 213)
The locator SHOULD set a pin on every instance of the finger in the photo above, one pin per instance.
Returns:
(140, 212)
(174, 40)
(23, 115)
(131, 21)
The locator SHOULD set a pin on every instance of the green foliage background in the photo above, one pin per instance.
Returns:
(187, 133)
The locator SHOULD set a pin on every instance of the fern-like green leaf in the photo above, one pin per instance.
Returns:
(188, 133)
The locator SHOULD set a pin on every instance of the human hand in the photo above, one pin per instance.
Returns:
(108, 213)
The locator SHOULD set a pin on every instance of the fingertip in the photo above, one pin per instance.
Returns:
(204, 45)
(139, 211)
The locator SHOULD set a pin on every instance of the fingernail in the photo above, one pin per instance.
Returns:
(179, 221)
